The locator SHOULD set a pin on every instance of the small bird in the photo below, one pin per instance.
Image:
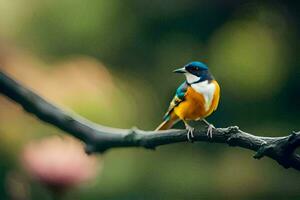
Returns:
(195, 99)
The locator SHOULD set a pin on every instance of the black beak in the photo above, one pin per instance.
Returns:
(180, 70)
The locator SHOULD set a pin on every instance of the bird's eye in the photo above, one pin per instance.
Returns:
(192, 69)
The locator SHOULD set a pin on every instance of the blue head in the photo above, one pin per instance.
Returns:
(195, 72)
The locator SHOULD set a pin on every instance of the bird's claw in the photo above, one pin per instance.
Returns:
(210, 129)
(190, 132)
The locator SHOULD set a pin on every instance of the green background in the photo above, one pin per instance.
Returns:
(251, 48)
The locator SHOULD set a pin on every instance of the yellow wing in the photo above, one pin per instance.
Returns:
(216, 98)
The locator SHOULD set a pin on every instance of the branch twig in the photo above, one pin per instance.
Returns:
(99, 138)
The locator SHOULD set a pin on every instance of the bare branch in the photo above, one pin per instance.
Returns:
(99, 138)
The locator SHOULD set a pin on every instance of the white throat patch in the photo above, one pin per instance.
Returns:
(191, 78)
(207, 90)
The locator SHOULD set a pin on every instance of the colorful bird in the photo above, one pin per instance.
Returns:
(195, 99)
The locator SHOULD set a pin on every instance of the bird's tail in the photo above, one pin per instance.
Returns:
(168, 122)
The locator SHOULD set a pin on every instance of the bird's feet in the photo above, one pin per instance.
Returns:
(190, 132)
(210, 129)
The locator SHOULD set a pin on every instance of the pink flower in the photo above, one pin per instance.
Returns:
(59, 163)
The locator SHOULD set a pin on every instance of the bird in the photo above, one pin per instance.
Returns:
(195, 99)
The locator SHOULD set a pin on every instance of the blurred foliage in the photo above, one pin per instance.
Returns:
(111, 62)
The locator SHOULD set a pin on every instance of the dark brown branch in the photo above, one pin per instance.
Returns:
(99, 138)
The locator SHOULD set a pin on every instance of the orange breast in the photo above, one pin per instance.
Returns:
(193, 107)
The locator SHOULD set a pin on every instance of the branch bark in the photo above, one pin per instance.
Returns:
(99, 138)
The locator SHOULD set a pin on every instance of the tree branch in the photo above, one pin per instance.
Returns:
(99, 138)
